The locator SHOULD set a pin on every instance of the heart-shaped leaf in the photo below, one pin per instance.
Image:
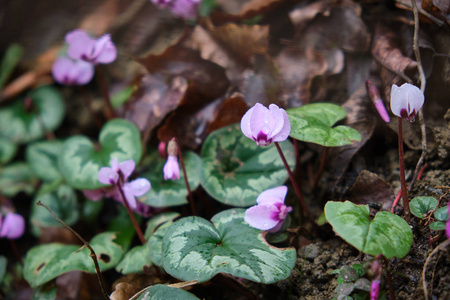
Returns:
(235, 170)
(79, 161)
(420, 206)
(154, 243)
(313, 123)
(437, 226)
(386, 234)
(23, 123)
(166, 193)
(441, 214)
(42, 157)
(196, 249)
(7, 150)
(45, 262)
(164, 292)
(17, 177)
(62, 200)
(134, 261)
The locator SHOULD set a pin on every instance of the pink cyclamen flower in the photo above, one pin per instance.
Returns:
(186, 9)
(96, 51)
(12, 227)
(270, 211)
(266, 125)
(162, 3)
(108, 175)
(72, 72)
(406, 101)
(375, 289)
(171, 168)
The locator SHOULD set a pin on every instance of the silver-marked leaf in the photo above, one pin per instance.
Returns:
(17, 177)
(314, 123)
(134, 261)
(166, 193)
(441, 214)
(45, 262)
(42, 157)
(23, 123)
(196, 249)
(80, 161)
(386, 234)
(154, 243)
(7, 150)
(420, 206)
(164, 292)
(235, 170)
(158, 220)
(62, 200)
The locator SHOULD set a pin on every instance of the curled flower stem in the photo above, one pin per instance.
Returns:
(305, 209)
(183, 168)
(86, 244)
(401, 163)
(130, 213)
(111, 113)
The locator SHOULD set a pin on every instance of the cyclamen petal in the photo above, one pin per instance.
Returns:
(266, 125)
(186, 9)
(127, 167)
(13, 226)
(72, 72)
(406, 101)
(272, 196)
(260, 217)
(82, 46)
(139, 186)
(171, 168)
(108, 175)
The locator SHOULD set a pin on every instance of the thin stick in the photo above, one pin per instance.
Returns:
(191, 198)
(111, 113)
(424, 282)
(389, 279)
(130, 213)
(305, 209)
(86, 244)
(401, 163)
(321, 167)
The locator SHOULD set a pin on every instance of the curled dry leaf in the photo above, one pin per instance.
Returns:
(369, 188)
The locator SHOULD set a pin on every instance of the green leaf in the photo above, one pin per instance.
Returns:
(154, 243)
(79, 161)
(313, 123)
(3, 264)
(164, 292)
(437, 226)
(11, 58)
(91, 209)
(441, 214)
(158, 220)
(7, 150)
(134, 260)
(42, 157)
(45, 292)
(45, 262)
(235, 170)
(359, 269)
(122, 96)
(17, 177)
(386, 234)
(123, 227)
(420, 206)
(166, 193)
(62, 200)
(23, 125)
(196, 249)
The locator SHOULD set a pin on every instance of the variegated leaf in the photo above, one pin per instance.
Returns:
(43, 159)
(164, 292)
(235, 170)
(196, 249)
(80, 161)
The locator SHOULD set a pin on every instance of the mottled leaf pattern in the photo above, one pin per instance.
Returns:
(313, 123)
(386, 234)
(196, 249)
(42, 158)
(7, 150)
(235, 170)
(80, 162)
(164, 292)
(17, 177)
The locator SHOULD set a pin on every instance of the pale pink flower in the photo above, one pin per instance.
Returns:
(110, 175)
(84, 47)
(406, 101)
(68, 71)
(266, 125)
(270, 211)
(12, 226)
(171, 168)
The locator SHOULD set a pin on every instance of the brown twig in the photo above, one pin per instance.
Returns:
(130, 213)
(86, 244)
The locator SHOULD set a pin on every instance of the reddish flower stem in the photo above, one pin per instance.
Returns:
(305, 209)
(183, 168)
(111, 113)
(397, 198)
(389, 279)
(130, 213)
(321, 167)
(401, 163)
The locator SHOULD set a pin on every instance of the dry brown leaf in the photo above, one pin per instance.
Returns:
(229, 112)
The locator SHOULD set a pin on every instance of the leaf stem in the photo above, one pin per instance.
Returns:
(401, 163)
(183, 168)
(86, 244)
(303, 205)
(130, 213)
(321, 167)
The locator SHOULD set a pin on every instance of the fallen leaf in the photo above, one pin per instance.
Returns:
(229, 112)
